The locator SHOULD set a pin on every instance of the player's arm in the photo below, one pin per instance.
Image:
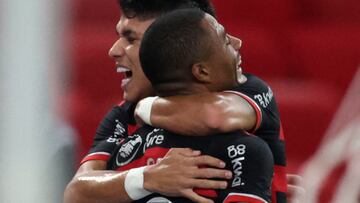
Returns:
(175, 175)
(90, 185)
(96, 160)
(200, 114)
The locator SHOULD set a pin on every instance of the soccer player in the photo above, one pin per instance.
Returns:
(137, 16)
(208, 64)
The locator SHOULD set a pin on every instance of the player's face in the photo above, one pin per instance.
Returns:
(237, 43)
(125, 52)
(226, 60)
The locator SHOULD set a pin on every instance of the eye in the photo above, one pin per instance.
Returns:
(131, 39)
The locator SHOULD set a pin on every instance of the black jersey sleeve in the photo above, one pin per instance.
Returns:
(260, 96)
(112, 129)
(251, 162)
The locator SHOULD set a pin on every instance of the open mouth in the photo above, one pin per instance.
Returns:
(127, 72)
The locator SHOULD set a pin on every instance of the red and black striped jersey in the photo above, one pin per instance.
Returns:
(247, 156)
(119, 122)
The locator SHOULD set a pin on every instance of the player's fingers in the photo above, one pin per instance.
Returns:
(295, 190)
(207, 184)
(190, 194)
(293, 179)
(208, 161)
(212, 173)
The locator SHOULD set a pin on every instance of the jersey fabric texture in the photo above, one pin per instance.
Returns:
(268, 127)
(248, 157)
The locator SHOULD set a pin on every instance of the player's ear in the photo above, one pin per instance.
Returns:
(201, 72)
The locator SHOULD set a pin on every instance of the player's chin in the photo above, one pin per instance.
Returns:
(132, 94)
(128, 96)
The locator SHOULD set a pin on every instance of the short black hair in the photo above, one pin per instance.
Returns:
(146, 9)
(172, 44)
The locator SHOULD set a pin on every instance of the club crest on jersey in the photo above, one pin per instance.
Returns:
(128, 150)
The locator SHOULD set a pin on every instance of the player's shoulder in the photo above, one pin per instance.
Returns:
(124, 109)
(254, 83)
(124, 106)
(255, 89)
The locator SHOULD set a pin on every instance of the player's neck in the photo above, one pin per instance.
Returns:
(180, 89)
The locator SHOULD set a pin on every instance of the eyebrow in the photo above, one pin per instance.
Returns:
(125, 32)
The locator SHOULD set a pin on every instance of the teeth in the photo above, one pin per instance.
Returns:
(121, 70)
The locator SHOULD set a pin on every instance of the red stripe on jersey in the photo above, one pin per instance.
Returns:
(281, 136)
(242, 197)
(103, 156)
(255, 107)
(132, 129)
(279, 180)
(150, 157)
(121, 103)
(279, 183)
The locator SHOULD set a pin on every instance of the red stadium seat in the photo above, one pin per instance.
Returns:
(85, 115)
(263, 51)
(329, 11)
(306, 109)
(265, 13)
(95, 84)
(326, 53)
(94, 71)
(95, 12)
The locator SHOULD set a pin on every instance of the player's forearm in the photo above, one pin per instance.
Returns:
(97, 186)
(203, 114)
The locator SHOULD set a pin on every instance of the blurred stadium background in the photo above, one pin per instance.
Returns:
(308, 51)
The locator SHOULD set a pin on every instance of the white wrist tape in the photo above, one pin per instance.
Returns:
(134, 184)
(144, 109)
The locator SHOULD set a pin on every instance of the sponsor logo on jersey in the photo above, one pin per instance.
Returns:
(237, 156)
(119, 133)
(119, 129)
(264, 98)
(128, 150)
(154, 138)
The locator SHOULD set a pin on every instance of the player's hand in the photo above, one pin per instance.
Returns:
(294, 187)
(178, 173)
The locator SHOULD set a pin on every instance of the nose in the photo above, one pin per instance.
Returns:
(117, 49)
(235, 42)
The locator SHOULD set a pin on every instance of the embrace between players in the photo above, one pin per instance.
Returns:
(202, 147)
